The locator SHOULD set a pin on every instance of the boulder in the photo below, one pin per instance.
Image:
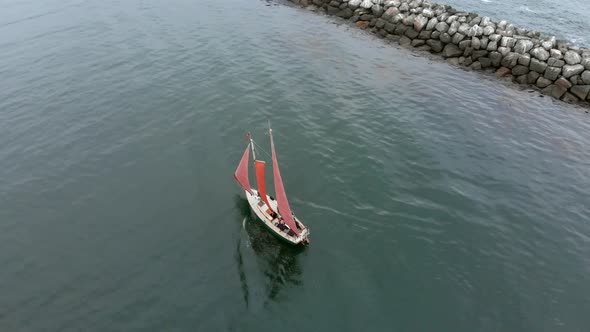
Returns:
(464, 29)
(478, 54)
(362, 24)
(389, 13)
(436, 45)
(495, 58)
(524, 59)
(457, 38)
(442, 27)
(554, 91)
(400, 29)
(418, 42)
(404, 7)
(488, 30)
(495, 37)
(345, 13)
(476, 65)
(553, 62)
(425, 35)
(538, 66)
(586, 63)
(520, 70)
(522, 79)
(453, 28)
(428, 13)
(507, 42)
(503, 72)
(377, 10)
(543, 82)
(465, 44)
(389, 27)
(540, 53)
(492, 45)
(484, 42)
(467, 62)
(475, 43)
(366, 4)
(354, 4)
(445, 38)
(572, 58)
(523, 46)
(581, 91)
(586, 77)
(571, 70)
(431, 24)
(503, 50)
(569, 98)
(562, 82)
(551, 73)
(485, 62)
(532, 77)
(510, 60)
(420, 23)
(451, 51)
(556, 54)
(405, 41)
(332, 10)
(475, 30)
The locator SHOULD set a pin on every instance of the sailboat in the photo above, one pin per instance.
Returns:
(275, 214)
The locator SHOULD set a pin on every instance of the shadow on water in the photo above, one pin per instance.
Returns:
(278, 261)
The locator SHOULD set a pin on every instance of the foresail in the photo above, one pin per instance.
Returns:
(283, 203)
(261, 183)
(241, 174)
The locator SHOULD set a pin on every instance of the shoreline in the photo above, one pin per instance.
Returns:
(553, 67)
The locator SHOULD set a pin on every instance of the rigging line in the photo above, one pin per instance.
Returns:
(261, 149)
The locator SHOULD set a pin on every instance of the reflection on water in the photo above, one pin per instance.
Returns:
(278, 261)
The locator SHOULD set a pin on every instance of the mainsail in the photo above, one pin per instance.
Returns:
(283, 203)
(260, 181)
(241, 174)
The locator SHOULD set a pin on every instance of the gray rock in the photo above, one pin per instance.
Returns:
(556, 54)
(551, 73)
(366, 4)
(354, 4)
(586, 77)
(468, 51)
(485, 21)
(581, 91)
(467, 62)
(405, 41)
(464, 29)
(409, 20)
(543, 82)
(453, 61)
(495, 37)
(569, 98)
(451, 51)
(400, 29)
(451, 19)
(492, 46)
(524, 59)
(389, 13)
(488, 30)
(377, 10)
(425, 35)
(503, 50)
(366, 17)
(548, 44)
(389, 27)
(445, 38)
(420, 23)
(540, 53)
(586, 63)
(478, 54)
(553, 62)
(484, 42)
(538, 66)
(510, 60)
(562, 82)
(404, 7)
(496, 58)
(502, 24)
(554, 91)
(431, 24)
(418, 42)
(485, 62)
(465, 44)
(428, 13)
(475, 43)
(571, 70)
(436, 45)
(507, 42)
(380, 23)
(475, 30)
(453, 28)
(476, 65)
(532, 77)
(442, 27)
(572, 58)
(575, 79)
(522, 79)
(345, 13)
(398, 18)
(476, 20)
(523, 46)
(457, 37)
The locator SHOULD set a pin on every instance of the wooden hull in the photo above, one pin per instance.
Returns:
(263, 213)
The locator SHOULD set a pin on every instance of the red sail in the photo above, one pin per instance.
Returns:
(284, 209)
(261, 184)
(241, 174)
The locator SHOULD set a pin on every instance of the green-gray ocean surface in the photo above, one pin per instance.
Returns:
(438, 199)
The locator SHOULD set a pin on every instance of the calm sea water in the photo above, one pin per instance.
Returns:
(439, 200)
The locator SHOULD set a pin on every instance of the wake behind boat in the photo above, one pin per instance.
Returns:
(275, 214)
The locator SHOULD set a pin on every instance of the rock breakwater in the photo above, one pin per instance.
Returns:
(555, 67)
